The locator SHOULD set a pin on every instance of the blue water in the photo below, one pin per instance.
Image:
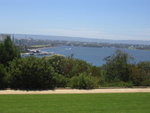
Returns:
(95, 55)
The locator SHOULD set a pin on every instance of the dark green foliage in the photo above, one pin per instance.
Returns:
(83, 81)
(68, 67)
(61, 81)
(74, 67)
(145, 82)
(145, 67)
(31, 73)
(8, 51)
(3, 75)
(137, 75)
(95, 71)
(117, 67)
(57, 62)
(118, 84)
(120, 70)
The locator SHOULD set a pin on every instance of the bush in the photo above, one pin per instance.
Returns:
(145, 68)
(146, 83)
(137, 75)
(31, 73)
(118, 84)
(60, 80)
(57, 62)
(83, 81)
(75, 67)
(3, 75)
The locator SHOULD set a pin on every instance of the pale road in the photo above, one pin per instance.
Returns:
(77, 91)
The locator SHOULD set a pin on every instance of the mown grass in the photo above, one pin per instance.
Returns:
(76, 103)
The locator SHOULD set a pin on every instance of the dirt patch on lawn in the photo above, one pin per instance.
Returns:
(77, 91)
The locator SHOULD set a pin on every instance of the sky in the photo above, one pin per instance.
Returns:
(103, 19)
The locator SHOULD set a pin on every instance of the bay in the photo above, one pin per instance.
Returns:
(96, 55)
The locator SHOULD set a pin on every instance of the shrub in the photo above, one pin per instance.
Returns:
(60, 80)
(118, 84)
(145, 68)
(146, 83)
(57, 62)
(137, 75)
(83, 81)
(3, 75)
(75, 67)
(31, 73)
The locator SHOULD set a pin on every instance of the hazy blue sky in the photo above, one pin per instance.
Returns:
(105, 19)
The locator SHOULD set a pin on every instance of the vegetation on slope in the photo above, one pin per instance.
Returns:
(31, 73)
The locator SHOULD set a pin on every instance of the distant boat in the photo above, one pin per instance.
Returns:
(34, 50)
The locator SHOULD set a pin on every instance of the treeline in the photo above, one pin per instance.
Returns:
(32, 73)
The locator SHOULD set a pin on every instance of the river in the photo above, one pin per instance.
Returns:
(96, 55)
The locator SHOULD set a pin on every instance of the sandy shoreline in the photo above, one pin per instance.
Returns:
(76, 91)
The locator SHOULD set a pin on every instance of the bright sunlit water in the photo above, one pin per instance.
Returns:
(95, 55)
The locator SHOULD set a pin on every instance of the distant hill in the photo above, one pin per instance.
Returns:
(67, 38)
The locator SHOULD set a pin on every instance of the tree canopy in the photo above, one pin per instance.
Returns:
(8, 51)
(117, 66)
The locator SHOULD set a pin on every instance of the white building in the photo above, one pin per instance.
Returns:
(4, 36)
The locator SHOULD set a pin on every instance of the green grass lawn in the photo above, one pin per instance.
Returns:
(76, 103)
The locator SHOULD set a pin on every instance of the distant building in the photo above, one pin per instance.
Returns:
(4, 36)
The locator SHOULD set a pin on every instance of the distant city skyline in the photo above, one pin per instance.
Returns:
(100, 19)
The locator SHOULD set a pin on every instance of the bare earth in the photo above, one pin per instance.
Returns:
(77, 91)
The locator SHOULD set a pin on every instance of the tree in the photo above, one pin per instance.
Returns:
(117, 67)
(8, 51)
(31, 73)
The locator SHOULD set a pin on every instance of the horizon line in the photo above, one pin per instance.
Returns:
(92, 38)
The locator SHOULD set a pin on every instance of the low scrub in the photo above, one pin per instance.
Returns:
(118, 84)
(83, 81)
(61, 81)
